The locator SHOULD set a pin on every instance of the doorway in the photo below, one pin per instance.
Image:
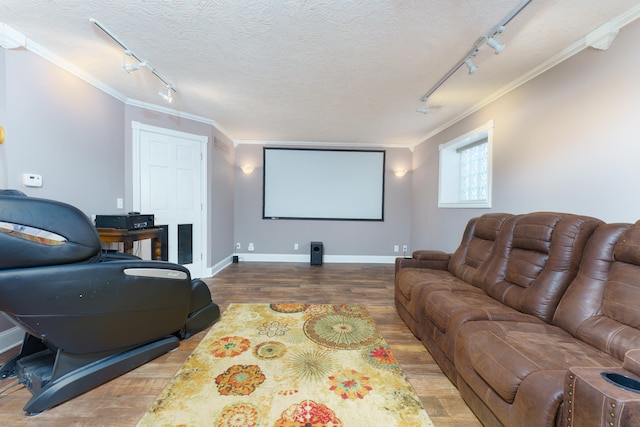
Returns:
(169, 181)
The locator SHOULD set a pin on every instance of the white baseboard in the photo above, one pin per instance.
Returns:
(346, 259)
(11, 338)
(217, 268)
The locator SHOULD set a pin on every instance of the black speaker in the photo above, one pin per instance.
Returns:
(316, 253)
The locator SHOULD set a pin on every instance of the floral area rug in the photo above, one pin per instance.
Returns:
(290, 365)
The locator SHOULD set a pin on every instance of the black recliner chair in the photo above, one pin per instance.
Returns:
(88, 316)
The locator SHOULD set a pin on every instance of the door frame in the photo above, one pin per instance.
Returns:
(202, 140)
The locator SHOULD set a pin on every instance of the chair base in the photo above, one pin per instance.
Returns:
(38, 368)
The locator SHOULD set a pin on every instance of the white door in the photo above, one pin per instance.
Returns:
(169, 182)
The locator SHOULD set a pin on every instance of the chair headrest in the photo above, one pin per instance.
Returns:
(38, 232)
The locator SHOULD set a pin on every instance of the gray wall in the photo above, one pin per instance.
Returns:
(340, 238)
(79, 139)
(220, 175)
(3, 120)
(566, 141)
(64, 129)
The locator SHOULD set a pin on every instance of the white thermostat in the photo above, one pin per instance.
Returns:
(31, 180)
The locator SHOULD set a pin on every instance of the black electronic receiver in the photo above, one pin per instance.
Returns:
(133, 221)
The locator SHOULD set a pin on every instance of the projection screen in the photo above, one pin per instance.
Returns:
(326, 184)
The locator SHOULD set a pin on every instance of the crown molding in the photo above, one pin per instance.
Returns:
(46, 54)
(343, 144)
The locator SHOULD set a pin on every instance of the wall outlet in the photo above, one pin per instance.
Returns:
(119, 203)
(238, 246)
(250, 248)
(396, 248)
(404, 248)
(295, 247)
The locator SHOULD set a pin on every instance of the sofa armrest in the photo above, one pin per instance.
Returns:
(434, 260)
(431, 255)
(632, 361)
(595, 397)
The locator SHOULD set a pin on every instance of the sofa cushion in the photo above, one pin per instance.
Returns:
(600, 307)
(499, 360)
(622, 293)
(583, 299)
(470, 262)
(448, 310)
(410, 278)
(546, 252)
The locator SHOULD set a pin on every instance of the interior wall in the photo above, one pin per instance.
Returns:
(79, 139)
(566, 141)
(3, 119)
(4, 323)
(341, 238)
(219, 175)
(221, 199)
(64, 129)
(61, 128)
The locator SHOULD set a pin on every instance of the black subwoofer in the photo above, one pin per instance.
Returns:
(316, 253)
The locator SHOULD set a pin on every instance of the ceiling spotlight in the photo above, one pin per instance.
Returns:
(129, 68)
(497, 46)
(135, 66)
(469, 63)
(167, 95)
(424, 109)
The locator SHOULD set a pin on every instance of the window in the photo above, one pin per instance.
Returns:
(465, 170)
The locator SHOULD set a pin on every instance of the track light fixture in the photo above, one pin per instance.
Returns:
(129, 68)
(469, 63)
(493, 41)
(167, 95)
(490, 39)
(424, 108)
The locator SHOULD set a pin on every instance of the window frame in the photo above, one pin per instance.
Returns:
(449, 168)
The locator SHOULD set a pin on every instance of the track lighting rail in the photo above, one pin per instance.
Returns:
(141, 63)
(490, 39)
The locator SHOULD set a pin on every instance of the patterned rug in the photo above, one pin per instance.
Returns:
(290, 365)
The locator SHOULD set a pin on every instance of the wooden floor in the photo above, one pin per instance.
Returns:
(123, 401)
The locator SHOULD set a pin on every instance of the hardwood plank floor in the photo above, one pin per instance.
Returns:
(123, 401)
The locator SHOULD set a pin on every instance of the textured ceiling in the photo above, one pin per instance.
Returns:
(324, 70)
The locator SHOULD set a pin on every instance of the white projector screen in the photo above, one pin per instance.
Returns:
(323, 184)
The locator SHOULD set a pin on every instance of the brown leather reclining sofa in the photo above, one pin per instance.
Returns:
(535, 318)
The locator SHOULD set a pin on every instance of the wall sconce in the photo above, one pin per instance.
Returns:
(1, 134)
(399, 172)
(247, 170)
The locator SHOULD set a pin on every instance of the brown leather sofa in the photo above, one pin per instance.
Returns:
(535, 318)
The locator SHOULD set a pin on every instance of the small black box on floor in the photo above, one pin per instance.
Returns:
(316, 253)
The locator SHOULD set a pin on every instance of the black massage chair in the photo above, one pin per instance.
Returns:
(88, 315)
